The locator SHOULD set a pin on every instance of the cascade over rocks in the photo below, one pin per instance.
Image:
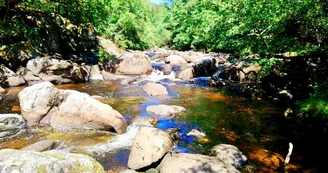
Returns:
(67, 109)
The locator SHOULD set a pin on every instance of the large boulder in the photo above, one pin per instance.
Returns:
(11, 125)
(67, 109)
(190, 163)
(175, 60)
(166, 111)
(229, 154)
(131, 64)
(9, 78)
(149, 146)
(49, 161)
(80, 111)
(185, 73)
(155, 89)
(36, 101)
(54, 70)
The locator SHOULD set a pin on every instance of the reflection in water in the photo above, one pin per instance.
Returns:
(254, 126)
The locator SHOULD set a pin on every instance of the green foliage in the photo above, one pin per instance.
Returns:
(250, 26)
(316, 105)
(104, 56)
(269, 65)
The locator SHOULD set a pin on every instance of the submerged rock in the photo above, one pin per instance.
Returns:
(67, 109)
(40, 146)
(166, 111)
(49, 161)
(155, 89)
(149, 146)
(196, 133)
(190, 163)
(11, 125)
(229, 154)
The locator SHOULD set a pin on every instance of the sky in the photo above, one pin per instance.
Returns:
(156, 1)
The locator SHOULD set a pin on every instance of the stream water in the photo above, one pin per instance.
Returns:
(257, 127)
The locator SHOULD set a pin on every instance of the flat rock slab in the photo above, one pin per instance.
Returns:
(155, 89)
(166, 111)
(40, 146)
(191, 163)
(149, 146)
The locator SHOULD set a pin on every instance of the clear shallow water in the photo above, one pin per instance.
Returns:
(256, 127)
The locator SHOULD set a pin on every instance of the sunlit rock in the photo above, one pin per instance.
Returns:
(229, 154)
(175, 60)
(67, 109)
(11, 125)
(36, 101)
(49, 161)
(154, 89)
(149, 146)
(190, 163)
(166, 111)
(9, 78)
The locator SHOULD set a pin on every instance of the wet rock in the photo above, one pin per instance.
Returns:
(131, 64)
(154, 89)
(49, 161)
(36, 101)
(67, 109)
(149, 146)
(40, 146)
(10, 79)
(196, 133)
(95, 73)
(166, 111)
(167, 69)
(229, 154)
(11, 125)
(190, 163)
(175, 60)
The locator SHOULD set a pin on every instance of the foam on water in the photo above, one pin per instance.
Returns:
(119, 142)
